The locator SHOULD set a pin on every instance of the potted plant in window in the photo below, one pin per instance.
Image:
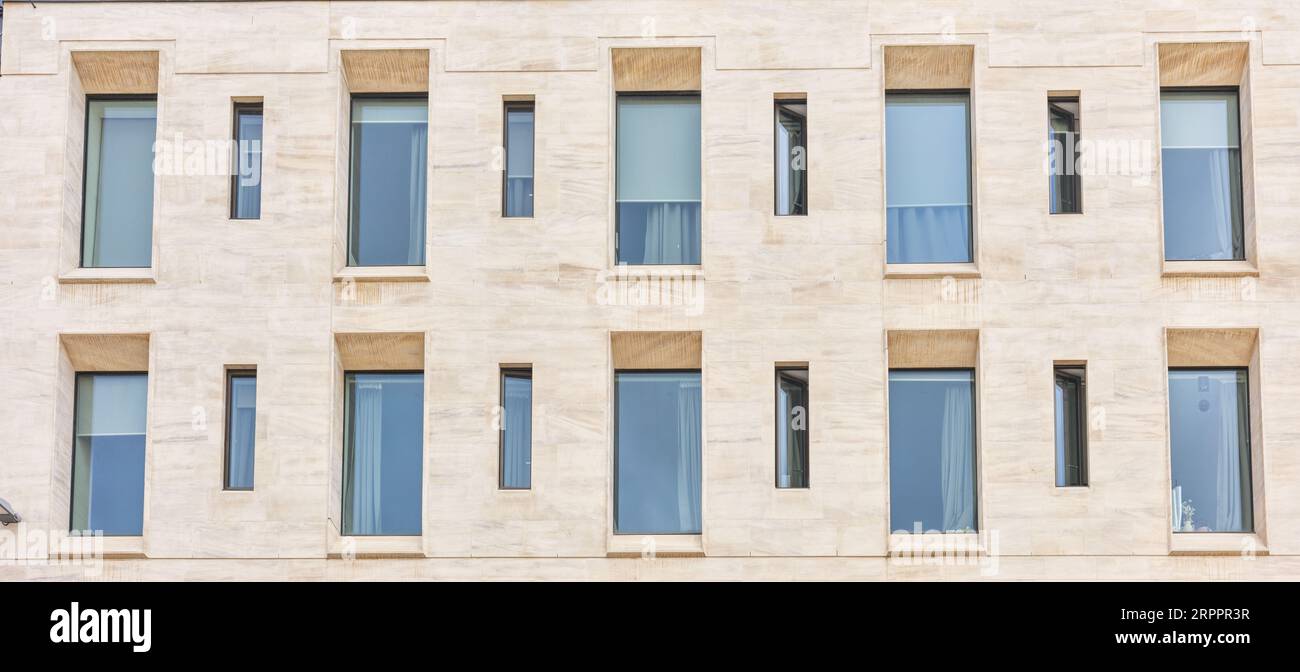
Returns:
(1188, 512)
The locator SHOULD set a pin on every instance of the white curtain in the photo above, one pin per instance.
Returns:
(928, 234)
(1232, 461)
(1177, 503)
(688, 456)
(956, 460)
(418, 187)
(1221, 219)
(367, 456)
(671, 233)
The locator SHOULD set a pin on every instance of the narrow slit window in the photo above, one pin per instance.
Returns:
(791, 157)
(792, 427)
(241, 429)
(518, 178)
(1071, 427)
(246, 180)
(516, 429)
(1063, 161)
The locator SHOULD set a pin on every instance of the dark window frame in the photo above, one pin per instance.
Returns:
(782, 373)
(699, 98)
(347, 247)
(239, 109)
(72, 471)
(85, 165)
(780, 106)
(1241, 170)
(347, 426)
(1080, 430)
(508, 107)
(1073, 179)
(1249, 448)
(515, 372)
(978, 511)
(970, 166)
(614, 476)
(231, 375)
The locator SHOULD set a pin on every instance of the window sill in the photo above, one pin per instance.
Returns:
(652, 269)
(657, 545)
(382, 274)
(109, 275)
(938, 544)
(78, 546)
(377, 547)
(954, 270)
(1209, 269)
(1216, 543)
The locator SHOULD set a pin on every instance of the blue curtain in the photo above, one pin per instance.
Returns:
(929, 234)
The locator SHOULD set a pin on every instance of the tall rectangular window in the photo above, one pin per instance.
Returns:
(1071, 427)
(1209, 436)
(657, 457)
(932, 450)
(383, 445)
(117, 206)
(1064, 183)
(241, 428)
(246, 180)
(791, 157)
(518, 184)
(1200, 157)
(927, 178)
(108, 453)
(516, 429)
(657, 179)
(792, 427)
(389, 178)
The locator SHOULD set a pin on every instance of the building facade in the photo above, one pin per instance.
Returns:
(655, 290)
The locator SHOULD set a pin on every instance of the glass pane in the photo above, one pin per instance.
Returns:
(241, 432)
(519, 161)
(382, 453)
(927, 178)
(791, 158)
(117, 229)
(108, 454)
(389, 181)
(1071, 432)
(658, 179)
(1200, 159)
(932, 450)
(248, 168)
(1064, 183)
(792, 428)
(657, 453)
(1209, 426)
(517, 430)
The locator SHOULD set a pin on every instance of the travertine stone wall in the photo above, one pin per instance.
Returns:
(544, 290)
